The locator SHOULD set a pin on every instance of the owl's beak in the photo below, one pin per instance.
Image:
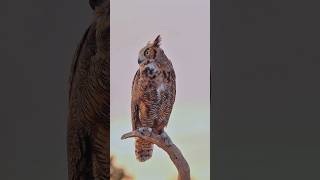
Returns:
(139, 61)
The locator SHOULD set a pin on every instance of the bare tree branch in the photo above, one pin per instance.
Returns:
(168, 146)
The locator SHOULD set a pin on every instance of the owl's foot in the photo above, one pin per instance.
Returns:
(145, 131)
(166, 139)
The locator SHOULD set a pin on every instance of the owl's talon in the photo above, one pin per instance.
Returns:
(163, 135)
(140, 129)
(145, 131)
(166, 138)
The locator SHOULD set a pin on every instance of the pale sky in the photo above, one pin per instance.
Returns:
(185, 30)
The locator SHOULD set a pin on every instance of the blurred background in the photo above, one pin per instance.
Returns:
(185, 30)
(38, 40)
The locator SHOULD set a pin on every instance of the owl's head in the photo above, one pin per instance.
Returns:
(150, 52)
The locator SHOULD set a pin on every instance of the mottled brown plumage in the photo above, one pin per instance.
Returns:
(89, 116)
(153, 95)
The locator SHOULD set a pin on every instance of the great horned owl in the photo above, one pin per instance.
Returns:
(153, 95)
(88, 123)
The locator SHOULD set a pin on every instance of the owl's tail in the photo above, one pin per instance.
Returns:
(143, 150)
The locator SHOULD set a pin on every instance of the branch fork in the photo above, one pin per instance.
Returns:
(164, 142)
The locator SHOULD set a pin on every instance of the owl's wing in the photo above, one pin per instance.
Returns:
(167, 99)
(75, 59)
(134, 104)
(77, 138)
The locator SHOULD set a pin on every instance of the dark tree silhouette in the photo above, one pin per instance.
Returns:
(89, 116)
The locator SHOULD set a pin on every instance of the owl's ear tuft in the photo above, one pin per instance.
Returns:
(157, 41)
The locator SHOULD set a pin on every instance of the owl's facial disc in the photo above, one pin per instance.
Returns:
(147, 55)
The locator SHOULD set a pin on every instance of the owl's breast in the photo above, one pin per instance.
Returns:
(161, 88)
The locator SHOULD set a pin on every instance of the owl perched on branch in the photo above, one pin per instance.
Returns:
(153, 95)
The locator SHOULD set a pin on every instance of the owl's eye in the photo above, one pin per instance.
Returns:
(146, 52)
